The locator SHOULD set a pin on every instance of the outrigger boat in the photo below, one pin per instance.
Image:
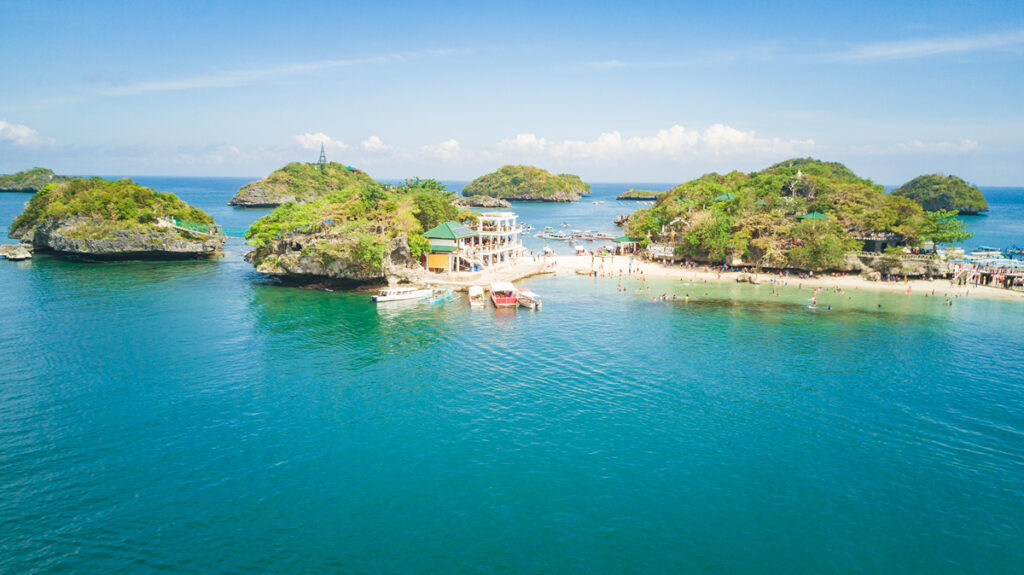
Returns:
(528, 299)
(442, 295)
(477, 298)
(553, 235)
(400, 293)
(503, 294)
(603, 236)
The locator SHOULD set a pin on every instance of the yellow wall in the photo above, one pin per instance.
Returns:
(437, 261)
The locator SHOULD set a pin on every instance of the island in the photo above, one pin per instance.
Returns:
(632, 194)
(944, 192)
(102, 219)
(801, 214)
(298, 182)
(527, 184)
(30, 181)
(366, 232)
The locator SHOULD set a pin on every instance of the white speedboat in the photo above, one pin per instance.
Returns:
(503, 294)
(401, 293)
(528, 299)
(559, 235)
(477, 297)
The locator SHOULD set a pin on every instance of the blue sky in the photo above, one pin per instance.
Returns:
(637, 91)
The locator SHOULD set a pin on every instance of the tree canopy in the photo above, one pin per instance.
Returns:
(941, 192)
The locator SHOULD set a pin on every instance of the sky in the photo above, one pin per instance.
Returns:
(612, 91)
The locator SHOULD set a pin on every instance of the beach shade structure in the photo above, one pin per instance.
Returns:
(815, 216)
(625, 240)
(726, 197)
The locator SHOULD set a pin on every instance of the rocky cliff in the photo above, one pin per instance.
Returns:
(73, 237)
(303, 259)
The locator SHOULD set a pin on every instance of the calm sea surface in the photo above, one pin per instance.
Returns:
(194, 417)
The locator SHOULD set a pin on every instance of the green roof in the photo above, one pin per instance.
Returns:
(815, 216)
(449, 231)
(442, 249)
(723, 198)
(624, 239)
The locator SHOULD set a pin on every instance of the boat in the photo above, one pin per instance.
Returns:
(576, 234)
(503, 294)
(528, 299)
(603, 236)
(477, 297)
(441, 295)
(400, 293)
(553, 235)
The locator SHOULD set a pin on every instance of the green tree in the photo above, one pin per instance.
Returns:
(943, 227)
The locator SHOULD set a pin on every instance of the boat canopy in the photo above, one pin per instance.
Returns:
(502, 286)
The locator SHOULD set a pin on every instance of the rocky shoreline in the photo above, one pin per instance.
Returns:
(152, 242)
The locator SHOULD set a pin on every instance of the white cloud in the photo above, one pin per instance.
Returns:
(922, 48)
(313, 141)
(672, 143)
(375, 144)
(446, 151)
(22, 136)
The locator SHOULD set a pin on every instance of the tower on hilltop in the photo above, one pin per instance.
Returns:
(323, 156)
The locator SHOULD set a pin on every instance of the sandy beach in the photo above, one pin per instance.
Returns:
(623, 266)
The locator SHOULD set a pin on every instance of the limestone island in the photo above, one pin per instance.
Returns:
(298, 182)
(30, 181)
(632, 194)
(801, 214)
(527, 184)
(941, 192)
(101, 219)
(365, 232)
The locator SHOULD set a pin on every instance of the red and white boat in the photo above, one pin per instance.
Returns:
(503, 294)
(528, 298)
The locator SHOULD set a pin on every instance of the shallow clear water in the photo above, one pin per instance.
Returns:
(192, 416)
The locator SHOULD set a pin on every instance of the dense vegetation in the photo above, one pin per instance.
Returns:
(308, 182)
(30, 180)
(756, 217)
(941, 192)
(104, 205)
(632, 194)
(356, 223)
(527, 183)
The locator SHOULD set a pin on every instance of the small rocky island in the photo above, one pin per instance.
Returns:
(298, 182)
(632, 194)
(101, 219)
(941, 192)
(527, 184)
(30, 181)
(366, 232)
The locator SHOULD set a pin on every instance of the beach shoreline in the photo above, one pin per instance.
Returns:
(623, 267)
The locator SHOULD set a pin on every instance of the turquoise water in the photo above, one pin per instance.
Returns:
(192, 416)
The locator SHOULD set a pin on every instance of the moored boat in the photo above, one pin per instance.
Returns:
(529, 299)
(477, 297)
(400, 293)
(503, 294)
(444, 294)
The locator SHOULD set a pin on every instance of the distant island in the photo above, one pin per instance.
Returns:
(802, 214)
(527, 184)
(30, 181)
(632, 194)
(103, 219)
(298, 182)
(941, 192)
(363, 232)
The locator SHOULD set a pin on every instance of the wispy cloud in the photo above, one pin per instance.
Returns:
(234, 78)
(925, 47)
(22, 136)
(226, 79)
(310, 141)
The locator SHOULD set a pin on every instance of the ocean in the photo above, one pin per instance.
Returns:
(197, 417)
